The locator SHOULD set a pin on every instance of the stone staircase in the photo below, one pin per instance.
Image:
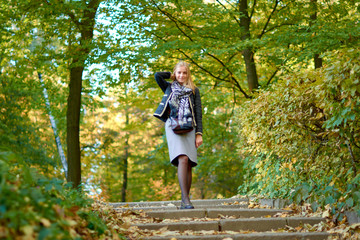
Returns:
(226, 219)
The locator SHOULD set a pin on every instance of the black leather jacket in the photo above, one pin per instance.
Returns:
(162, 112)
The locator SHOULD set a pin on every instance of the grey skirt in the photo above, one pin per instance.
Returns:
(181, 144)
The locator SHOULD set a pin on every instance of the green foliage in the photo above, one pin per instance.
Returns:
(294, 139)
(26, 51)
(210, 35)
(17, 130)
(304, 134)
(220, 169)
(33, 206)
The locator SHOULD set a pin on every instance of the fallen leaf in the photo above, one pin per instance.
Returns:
(45, 222)
(28, 230)
(355, 226)
(326, 214)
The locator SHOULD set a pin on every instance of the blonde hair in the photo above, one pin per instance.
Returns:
(189, 82)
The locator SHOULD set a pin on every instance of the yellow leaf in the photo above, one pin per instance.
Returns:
(73, 233)
(45, 222)
(28, 230)
(355, 226)
(71, 223)
(3, 232)
(163, 229)
(167, 233)
(326, 214)
(344, 220)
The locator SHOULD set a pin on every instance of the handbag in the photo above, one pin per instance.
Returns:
(181, 127)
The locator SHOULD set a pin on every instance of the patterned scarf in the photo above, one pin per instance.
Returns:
(180, 100)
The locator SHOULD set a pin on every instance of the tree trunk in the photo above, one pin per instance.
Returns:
(125, 162)
(85, 24)
(313, 17)
(126, 154)
(73, 125)
(248, 54)
(252, 78)
(53, 125)
(317, 60)
(125, 173)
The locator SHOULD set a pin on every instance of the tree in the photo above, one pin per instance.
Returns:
(313, 17)
(230, 41)
(247, 52)
(211, 36)
(81, 19)
(234, 47)
(117, 136)
(22, 105)
(84, 20)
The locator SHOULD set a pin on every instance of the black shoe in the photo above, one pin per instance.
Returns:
(186, 206)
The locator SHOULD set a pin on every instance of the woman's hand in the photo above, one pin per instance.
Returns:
(198, 140)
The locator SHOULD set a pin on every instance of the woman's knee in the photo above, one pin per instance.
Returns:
(183, 159)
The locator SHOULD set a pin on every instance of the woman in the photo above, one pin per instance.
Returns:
(181, 101)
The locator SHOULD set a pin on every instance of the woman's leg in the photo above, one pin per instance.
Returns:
(185, 178)
(189, 180)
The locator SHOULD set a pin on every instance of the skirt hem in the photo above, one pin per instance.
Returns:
(175, 161)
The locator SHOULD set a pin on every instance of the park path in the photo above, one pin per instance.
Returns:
(225, 219)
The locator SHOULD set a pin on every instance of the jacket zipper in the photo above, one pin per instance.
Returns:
(192, 111)
(166, 103)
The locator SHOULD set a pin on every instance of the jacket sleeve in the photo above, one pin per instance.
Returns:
(198, 112)
(160, 79)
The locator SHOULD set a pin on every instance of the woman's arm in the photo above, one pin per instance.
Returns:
(198, 112)
(198, 119)
(160, 79)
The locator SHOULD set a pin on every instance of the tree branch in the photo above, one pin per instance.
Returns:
(353, 140)
(66, 12)
(188, 57)
(274, 27)
(231, 74)
(229, 13)
(174, 20)
(354, 162)
(230, 4)
(231, 57)
(202, 68)
(253, 10)
(269, 18)
(272, 76)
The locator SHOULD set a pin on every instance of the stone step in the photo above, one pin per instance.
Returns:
(159, 208)
(176, 207)
(250, 236)
(196, 203)
(229, 219)
(265, 224)
(247, 224)
(214, 213)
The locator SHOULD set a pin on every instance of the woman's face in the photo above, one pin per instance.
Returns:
(181, 75)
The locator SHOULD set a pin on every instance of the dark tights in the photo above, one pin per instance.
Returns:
(185, 178)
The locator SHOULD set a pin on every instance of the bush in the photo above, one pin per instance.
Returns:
(302, 136)
(35, 207)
